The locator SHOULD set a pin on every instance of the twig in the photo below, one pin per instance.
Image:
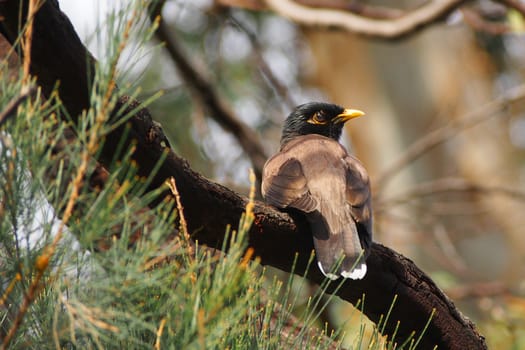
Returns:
(438, 136)
(281, 90)
(478, 290)
(477, 22)
(217, 107)
(34, 5)
(447, 247)
(395, 28)
(159, 333)
(10, 288)
(186, 239)
(11, 107)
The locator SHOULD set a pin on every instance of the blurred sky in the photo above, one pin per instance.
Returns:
(87, 13)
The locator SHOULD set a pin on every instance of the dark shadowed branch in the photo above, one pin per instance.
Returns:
(277, 238)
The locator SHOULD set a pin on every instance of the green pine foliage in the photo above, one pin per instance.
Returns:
(127, 296)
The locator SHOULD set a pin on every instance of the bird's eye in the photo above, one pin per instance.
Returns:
(318, 118)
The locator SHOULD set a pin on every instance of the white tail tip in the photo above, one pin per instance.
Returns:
(356, 274)
(329, 275)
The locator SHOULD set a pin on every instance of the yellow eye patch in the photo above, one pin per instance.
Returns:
(318, 119)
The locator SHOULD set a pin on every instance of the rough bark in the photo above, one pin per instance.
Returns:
(58, 55)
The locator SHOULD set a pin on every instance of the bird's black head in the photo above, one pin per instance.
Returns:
(317, 118)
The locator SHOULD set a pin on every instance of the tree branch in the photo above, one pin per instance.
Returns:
(479, 290)
(373, 21)
(475, 20)
(277, 238)
(447, 185)
(11, 107)
(394, 28)
(218, 108)
(438, 136)
(281, 91)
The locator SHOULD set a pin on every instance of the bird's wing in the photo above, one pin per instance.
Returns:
(358, 196)
(284, 184)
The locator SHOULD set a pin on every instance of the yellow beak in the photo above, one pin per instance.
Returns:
(347, 115)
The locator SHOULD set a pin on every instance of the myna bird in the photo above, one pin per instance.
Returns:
(313, 172)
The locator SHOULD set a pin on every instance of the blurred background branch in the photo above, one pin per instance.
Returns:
(394, 28)
(380, 21)
(447, 185)
(199, 82)
(434, 138)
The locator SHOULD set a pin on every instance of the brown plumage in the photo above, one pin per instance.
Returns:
(314, 173)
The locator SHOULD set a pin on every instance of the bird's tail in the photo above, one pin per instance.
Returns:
(340, 253)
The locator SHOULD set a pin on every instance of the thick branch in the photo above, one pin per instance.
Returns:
(58, 55)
